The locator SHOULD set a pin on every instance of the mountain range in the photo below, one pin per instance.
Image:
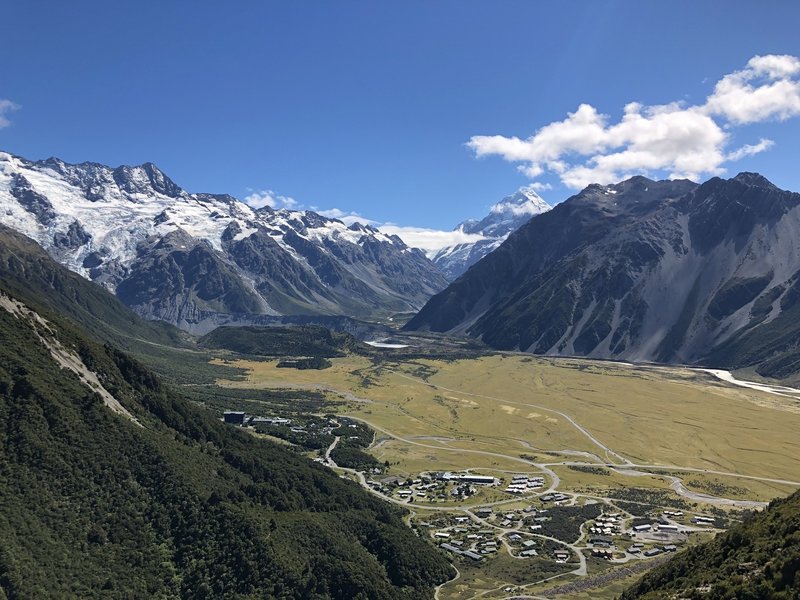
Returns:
(201, 260)
(505, 217)
(664, 271)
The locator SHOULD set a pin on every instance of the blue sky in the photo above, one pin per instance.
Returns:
(374, 107)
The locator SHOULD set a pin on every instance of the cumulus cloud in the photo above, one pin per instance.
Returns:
(767, 88)
(679, 140)
(271, 199)
(429, 240)
(6, 106)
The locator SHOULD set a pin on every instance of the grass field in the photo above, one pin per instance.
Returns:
(595, 429)
(510, 405)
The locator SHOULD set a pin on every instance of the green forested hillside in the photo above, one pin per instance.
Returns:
(93, 505)
(756, 560)
(28, 273)
(294, 340)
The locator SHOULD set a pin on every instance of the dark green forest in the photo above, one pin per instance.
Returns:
(93, 505)
(294, 340)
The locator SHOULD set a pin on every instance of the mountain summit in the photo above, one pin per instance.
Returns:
(200, 260)
(504, 218)
(666, 271)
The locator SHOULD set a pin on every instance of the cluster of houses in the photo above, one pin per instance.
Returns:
(458, 551)
(467, 539)
(430, 488)
(521, 484)
(607, 524)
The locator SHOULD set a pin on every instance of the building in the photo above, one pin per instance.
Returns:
(561, 556)
(233, 417)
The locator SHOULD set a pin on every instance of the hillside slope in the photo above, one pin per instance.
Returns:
(114, 486)
(666, 271)
(759, 560)
(27, 271)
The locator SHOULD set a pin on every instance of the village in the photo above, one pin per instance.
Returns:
(509, 512)
(550, 525)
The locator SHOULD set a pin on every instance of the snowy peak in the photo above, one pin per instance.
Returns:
(509, 214)
(524, 202)
(199, 256)
(504, 217)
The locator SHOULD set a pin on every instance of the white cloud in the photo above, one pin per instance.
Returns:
(678, 140)
(271, 199)
(767, 88)
(538, 186)
(750, 149)
(429, 240)
(6, 106)
(348, 218)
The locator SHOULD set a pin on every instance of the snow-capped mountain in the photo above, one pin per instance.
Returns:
(664, 271)
(198, 260)
(505, 217)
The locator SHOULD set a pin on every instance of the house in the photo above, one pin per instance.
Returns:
(234, 417)
(640, 528)
(600, 540)
(561, 556)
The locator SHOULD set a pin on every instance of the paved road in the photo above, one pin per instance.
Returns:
(328, 459)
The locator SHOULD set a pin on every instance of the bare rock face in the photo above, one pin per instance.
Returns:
(666, 271)
(192, 259)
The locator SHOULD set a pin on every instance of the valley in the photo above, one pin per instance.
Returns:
(603, 437)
